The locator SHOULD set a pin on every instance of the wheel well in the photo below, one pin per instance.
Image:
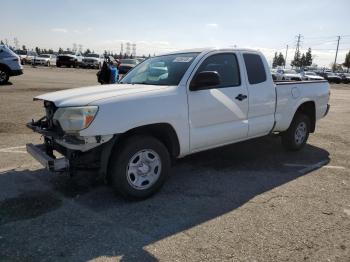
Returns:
(5, 67)
(162, 131)
(308, 109)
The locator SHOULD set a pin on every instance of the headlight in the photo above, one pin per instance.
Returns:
(74, 119)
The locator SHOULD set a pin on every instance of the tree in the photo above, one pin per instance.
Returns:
(37, 50)
(336, 67)
(296, 61)
(87, 51)
(347, 61)
(60, 50)
(24, 47)
(2, 43)
(274, 61)
(308, 58)
(280, 60)
(302, 60)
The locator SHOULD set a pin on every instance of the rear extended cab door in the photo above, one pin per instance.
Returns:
(261, 93)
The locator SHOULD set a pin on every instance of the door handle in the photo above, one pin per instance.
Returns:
(241, 97)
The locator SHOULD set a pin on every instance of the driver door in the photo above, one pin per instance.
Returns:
(218, 114)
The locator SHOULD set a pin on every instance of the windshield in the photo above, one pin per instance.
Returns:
(310, 73)
(92, 55)
(128, 61)
(161, 70)
(290, 72)
(46, 56)
(21, 52)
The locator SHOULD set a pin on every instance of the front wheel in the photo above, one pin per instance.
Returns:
(139, 168)
(297, 134)
(4, 76)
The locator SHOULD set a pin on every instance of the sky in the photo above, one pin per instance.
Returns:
(160, 26)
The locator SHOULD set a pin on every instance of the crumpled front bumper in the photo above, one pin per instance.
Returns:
(52, 164)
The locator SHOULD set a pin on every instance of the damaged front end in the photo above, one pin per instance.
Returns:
(64, 150)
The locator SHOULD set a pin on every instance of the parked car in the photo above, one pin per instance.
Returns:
(26, 56)
(10, 64)
(126, 65)
(331, 77)
(204, 99)
(291, 75)
(309, 75)
(345, 77)
(93, 61)
(69, 58)
(45, 59)
(276, 74)
(140, 59)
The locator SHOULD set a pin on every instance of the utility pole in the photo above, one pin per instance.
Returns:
(336, 54)
(297, 48)
(285, 58)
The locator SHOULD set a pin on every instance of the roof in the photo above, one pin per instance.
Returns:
(209, 49)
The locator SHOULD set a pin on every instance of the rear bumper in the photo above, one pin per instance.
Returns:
(38, 152)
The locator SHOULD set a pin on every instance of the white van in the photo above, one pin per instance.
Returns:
(10, 64)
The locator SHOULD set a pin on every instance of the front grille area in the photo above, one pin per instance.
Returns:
(64, 58)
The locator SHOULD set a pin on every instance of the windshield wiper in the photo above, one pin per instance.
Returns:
(140, 83)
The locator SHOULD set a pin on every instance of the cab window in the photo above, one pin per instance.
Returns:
(226, 66)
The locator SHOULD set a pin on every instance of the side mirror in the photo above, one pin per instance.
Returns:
(205, 80)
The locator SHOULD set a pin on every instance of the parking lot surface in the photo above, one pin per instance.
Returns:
(251, 201)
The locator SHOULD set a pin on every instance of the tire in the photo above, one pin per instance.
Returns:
(4, 76)
(48, 64)
(297, 134)
(135, 178)
(58, 64)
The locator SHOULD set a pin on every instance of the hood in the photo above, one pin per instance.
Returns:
(292, 75)
(88, 95)
(91, 58)
(66, 55)
(315, 77)
(334, 76)
(42, 58)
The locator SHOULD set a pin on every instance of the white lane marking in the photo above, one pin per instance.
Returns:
(4, 170)
(11, 168)
(335, 167)
(313, 167)
(13, 150)
(14, 147)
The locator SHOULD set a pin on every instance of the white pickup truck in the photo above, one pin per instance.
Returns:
(170, 106)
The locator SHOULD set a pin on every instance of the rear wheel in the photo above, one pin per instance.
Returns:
(4, 76)
(297, 134)
(140, 167)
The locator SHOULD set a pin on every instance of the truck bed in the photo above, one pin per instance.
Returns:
(291, 94)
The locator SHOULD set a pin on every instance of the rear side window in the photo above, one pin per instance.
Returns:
(255, 68)
(226, 66)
